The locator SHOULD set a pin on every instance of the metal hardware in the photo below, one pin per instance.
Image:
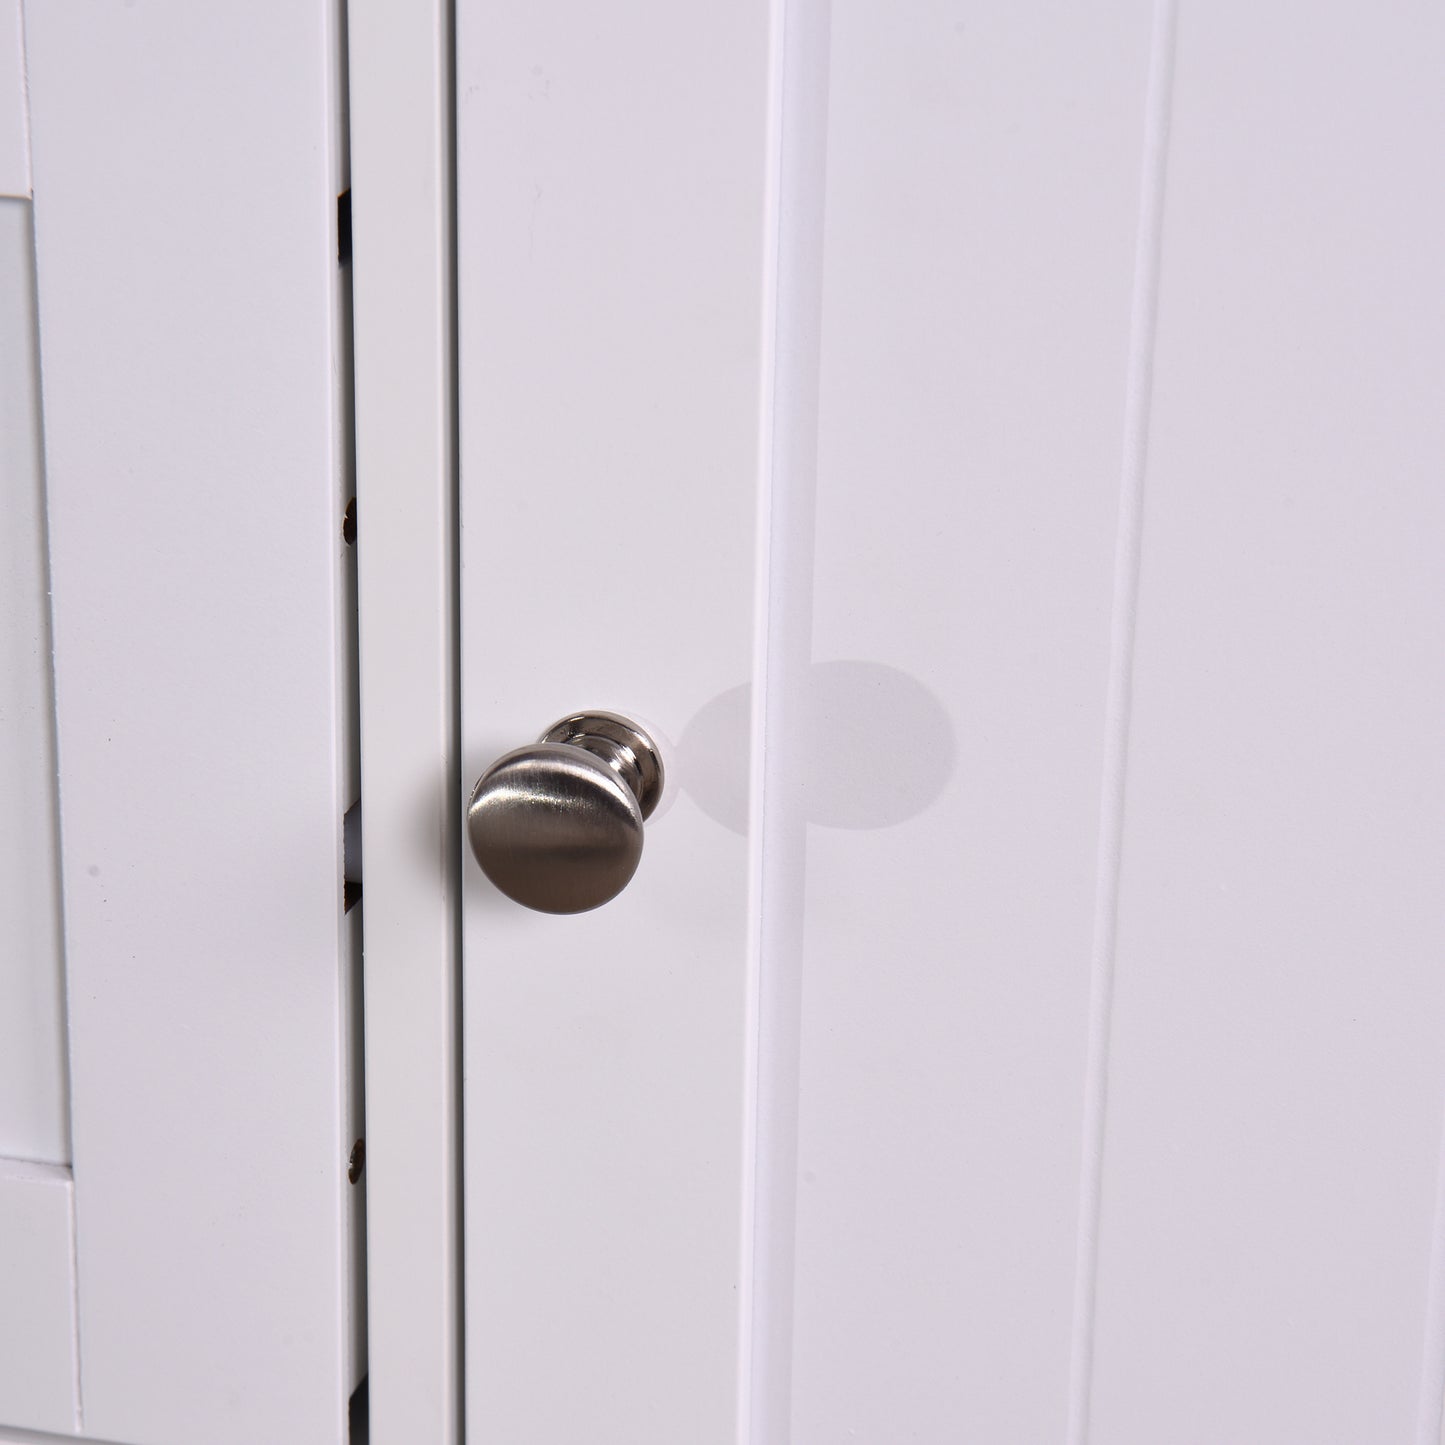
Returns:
(557, 825)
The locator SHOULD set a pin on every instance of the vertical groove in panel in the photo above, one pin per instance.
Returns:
(349, 1036)
(779, 824)
(456, 1321)
(1138, 392)
(1431, 1427)
(757, 792)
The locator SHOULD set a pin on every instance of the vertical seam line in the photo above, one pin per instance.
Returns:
(758, 723)
(1134, 465)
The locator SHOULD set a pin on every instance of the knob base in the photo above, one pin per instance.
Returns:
(622, 745)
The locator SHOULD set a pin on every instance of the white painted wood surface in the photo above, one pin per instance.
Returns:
(186, 176)
(1092, 1088)
(34, 1108)
(400, 115)
(610, 259)
(1276, 1069)
(951, 382)
(14, 123)
(39, 1375)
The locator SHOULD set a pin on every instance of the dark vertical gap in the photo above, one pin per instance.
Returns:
(353, 924)
(351, 856)
(343, 227)
(358, 1415)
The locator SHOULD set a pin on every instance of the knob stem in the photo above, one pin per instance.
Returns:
(622, 745)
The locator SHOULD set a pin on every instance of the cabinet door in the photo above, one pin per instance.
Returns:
(996, 452)
(179, 1241)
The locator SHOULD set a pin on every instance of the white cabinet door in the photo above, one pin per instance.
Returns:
(997, 450)
(180, 1242)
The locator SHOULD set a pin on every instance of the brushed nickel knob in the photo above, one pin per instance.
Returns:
(557, 825)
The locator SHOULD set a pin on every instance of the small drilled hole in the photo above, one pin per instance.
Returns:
(357, 1161)
(348, 524)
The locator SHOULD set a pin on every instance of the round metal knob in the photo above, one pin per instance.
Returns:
(557, 826)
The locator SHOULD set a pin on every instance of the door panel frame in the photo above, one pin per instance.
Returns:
(194, 383)
(403, 298)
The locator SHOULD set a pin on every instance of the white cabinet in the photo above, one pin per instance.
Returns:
(995, 451)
